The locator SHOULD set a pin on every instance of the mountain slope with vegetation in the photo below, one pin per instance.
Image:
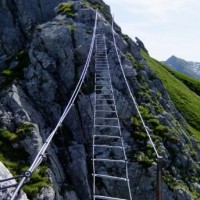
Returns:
(183, 90)
(189, 68)
(192, 83)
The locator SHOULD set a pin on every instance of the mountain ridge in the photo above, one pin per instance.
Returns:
(190, 68)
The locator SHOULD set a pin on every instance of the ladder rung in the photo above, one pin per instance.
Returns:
(102, 70)
(103, 89)
(108, 146)
(104, 94)
(108, 126)
(104, 84)
(100, 76)
(102, 67)
(108, 160)
(102, 73)
(100, 81)
(112, 118)
(105, 99)
(107, 197)
(105, 105)
(101, 58)
(110, 177)
(106, 111)
(108, 136)
(100, 85)
(106, 118)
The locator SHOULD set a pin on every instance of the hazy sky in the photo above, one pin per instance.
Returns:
(167, 27)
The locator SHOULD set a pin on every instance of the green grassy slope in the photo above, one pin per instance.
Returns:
(186, 101)
(192, 83)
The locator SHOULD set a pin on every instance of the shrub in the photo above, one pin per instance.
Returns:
(71, 27)
(145, 112)
(7, 73)
(144, 160)
(14, 156)
(125, 37)
(23, 61)
(134, 62)
(96, 5)
(24, 129)
(161, 130)
(66, 9)
(39, 179)
(154, 122)
(139, 135)
(6, 135)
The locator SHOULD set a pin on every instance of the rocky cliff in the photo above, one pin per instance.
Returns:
(44, 46)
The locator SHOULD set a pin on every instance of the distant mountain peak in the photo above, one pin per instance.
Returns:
(189, 68)
(173, 56)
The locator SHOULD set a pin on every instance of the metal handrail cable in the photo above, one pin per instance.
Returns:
(40, 154)
(134, 101)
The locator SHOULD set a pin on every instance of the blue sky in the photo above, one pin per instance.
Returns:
(167, 27)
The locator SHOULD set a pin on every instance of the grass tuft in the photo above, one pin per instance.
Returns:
(133, 61)
(14, 156)
(23, 61)
(66, 9)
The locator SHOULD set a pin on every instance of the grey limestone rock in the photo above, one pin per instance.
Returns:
(18, 20)
(5, 194)
(78, 171)
(32, 142)
(23, 109)
(46, 193)
(71, 195)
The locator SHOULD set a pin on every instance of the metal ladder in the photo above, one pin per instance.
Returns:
(108, 145)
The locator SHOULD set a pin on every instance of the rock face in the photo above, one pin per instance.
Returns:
(57, 45)
(140, 44)
(18, 20)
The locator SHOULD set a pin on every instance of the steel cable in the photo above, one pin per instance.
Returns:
(132, 97)
(40, 154)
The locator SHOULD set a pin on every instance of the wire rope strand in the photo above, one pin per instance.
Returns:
(133, 99)
(38, 158)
